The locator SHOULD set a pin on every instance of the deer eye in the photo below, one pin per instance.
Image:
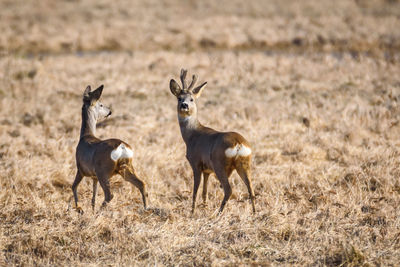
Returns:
(191, 100)
(179, 99)
(101, 105)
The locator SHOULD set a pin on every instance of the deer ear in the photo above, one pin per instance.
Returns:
(95, 95)
(197, 91)
(174, 87)
(86, 95)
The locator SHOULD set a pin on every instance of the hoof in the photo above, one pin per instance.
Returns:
(79, 210)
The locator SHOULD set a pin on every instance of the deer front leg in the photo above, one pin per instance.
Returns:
(205, 184)
(94, 193)
(78, 179)
(130, 175)
(197, 178)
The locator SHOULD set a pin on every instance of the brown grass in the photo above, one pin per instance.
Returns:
(323, 121)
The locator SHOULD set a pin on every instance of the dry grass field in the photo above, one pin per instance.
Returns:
(313, 85)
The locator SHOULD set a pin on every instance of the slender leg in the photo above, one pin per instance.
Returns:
(130, 175)
(197, 178)
(78, 179)
(94, 193)
(205, 184)
(228, 193)
(244, 172)
(223, 178)
(105, 185)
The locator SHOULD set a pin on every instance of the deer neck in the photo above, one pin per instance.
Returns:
(88, 122)
(189, 125)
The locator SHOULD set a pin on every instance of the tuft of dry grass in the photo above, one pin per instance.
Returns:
(323, 123)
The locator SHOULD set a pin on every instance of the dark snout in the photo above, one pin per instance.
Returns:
(184, 106)
(109, 114)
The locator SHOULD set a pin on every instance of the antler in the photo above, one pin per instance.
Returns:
(183, 78)
(194, 80)
(192, 83)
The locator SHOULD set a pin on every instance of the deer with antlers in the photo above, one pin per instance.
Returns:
(101, 159)
(207, 150)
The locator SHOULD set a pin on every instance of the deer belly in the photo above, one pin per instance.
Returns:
(121, 152)
(206, 168)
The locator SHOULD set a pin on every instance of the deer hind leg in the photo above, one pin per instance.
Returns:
(205, 185)
(243, 169)
(223, 176)
(129, 174)
(105, 185)
(78, 179)
(94, 193)
(196, 183)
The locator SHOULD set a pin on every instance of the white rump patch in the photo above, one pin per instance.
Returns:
(244, 151)
(121, 152)
(238, 150)
(231, 152)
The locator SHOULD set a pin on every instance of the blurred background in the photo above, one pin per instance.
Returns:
(47, 26)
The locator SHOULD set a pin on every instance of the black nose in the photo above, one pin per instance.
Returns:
(184, 105)
(109, 113)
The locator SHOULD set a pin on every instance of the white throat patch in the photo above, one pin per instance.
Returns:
(185, 119)
(238, 150)
(121, 152)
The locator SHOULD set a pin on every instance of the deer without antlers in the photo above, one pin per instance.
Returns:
(207, 150)
(101, 159)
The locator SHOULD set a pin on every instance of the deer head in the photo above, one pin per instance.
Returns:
(93, 105)
(186, 95)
